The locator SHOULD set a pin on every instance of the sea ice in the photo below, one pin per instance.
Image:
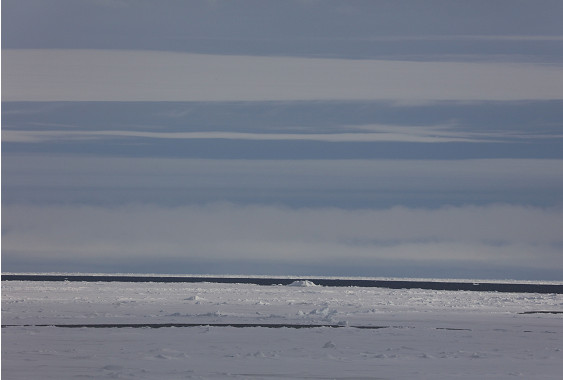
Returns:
(422, 334)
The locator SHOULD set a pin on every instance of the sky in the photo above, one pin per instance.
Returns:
(337, 138)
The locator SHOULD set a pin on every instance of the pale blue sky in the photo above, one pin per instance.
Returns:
(373, 138)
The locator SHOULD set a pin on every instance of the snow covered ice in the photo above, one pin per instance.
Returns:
(422, 334)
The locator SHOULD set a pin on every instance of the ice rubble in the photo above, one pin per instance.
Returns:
(302, 283)
(422, 334)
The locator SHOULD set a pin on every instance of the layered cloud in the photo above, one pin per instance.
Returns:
(106, 75)
(377, 134)
(330, 28)
(192, 136)
(515, 236)
(342, 183)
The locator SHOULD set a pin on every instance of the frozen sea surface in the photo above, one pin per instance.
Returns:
(424, 334)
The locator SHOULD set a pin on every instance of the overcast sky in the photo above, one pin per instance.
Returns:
(372, 138)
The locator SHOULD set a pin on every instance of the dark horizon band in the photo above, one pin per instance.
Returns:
(390, 284)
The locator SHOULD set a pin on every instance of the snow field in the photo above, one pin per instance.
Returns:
(426, 334)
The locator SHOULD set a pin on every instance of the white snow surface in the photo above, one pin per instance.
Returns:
(425, 334)
(302, 283)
